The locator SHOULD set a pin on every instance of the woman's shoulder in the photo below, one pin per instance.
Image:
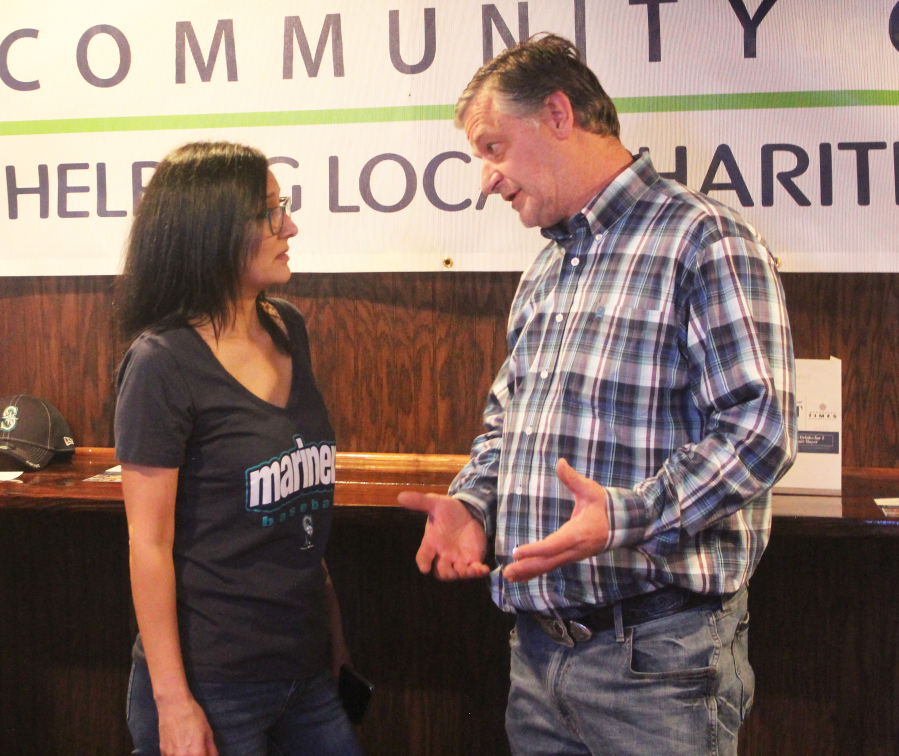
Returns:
(287, 316)
(153, 344)
(284, 309)
(165, 353)
(290, 320)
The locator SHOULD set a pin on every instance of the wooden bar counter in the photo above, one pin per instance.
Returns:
(374, 480)
(824, 606)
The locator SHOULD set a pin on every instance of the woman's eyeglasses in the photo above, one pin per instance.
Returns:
(276, 215)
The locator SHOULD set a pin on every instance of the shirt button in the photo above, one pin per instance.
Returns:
(576, 261)
(544, 374)
(529, 430)
(518, 490)
(559, 318)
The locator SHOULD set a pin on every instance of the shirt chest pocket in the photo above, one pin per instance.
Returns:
(625, 360)
(632, 335)
(619, 370)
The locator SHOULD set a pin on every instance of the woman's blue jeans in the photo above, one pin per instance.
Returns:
(675, 686)
(278, 718)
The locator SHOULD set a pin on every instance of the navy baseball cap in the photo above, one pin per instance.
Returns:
(32, 430)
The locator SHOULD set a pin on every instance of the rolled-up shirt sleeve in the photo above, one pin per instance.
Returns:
(476, 484)
(739, 351)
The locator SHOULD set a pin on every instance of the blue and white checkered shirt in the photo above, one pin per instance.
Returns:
(649, 346)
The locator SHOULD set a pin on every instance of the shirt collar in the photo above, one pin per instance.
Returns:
(604, 210)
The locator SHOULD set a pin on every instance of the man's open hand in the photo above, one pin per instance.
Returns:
(584, 535)
(454, 543)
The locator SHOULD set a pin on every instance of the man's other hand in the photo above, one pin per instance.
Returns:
(454, 543)
(584, 535)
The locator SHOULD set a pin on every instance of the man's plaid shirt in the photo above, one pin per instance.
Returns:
(649, 346)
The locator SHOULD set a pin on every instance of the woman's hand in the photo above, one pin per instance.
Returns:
(340, 655)
(183, 730)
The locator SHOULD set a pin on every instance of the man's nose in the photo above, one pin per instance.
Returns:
(490, 178)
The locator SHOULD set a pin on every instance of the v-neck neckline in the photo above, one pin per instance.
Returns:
(291, 397)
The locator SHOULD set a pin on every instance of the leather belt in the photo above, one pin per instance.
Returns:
(634, 611)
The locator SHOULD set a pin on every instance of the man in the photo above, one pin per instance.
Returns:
(632, 436)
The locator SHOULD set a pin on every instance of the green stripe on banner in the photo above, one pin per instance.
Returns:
(665, 104)
(229, 120)
(848, 98)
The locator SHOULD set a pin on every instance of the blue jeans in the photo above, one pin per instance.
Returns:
(675, 686)
(278, 718)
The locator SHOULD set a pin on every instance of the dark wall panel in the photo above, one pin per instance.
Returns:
(854, 317)
(405, 360)
(58, 343)
(824, 643)
(65, 634)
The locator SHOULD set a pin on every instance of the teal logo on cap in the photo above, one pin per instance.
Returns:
(10, 418)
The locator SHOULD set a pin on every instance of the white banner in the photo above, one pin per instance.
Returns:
(783, 109)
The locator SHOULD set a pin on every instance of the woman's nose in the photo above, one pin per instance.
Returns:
(289, 228)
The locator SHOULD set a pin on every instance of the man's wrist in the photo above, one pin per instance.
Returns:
(476, 513)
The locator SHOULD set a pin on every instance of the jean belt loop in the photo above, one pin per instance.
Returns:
(619, 623)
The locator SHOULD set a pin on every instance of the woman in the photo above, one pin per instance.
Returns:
(228, 474)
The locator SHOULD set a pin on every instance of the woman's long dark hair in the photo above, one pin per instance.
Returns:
(193, 234)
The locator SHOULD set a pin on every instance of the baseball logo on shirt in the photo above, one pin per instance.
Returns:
(295, 473)
(309, 530)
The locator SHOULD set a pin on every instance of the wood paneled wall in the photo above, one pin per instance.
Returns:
(822, 642)
(405, 360)
(66, 634)
(824, 645)
(854, 317)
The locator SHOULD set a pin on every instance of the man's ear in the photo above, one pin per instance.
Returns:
(559, 115)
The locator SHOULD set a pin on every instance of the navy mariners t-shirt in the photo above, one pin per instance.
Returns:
(254, 503)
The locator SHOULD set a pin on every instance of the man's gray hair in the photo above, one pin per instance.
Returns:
(522, 77)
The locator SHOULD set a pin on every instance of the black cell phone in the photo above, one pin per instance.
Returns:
(355, 693)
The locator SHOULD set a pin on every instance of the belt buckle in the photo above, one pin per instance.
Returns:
(580, 633)
(556, 631)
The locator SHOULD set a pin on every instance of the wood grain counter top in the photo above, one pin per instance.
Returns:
(372, 481)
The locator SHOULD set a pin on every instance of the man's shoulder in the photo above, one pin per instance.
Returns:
(700, 214)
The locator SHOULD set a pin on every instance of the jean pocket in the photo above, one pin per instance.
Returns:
(128, 699)
(743, 669)
(683, 646)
